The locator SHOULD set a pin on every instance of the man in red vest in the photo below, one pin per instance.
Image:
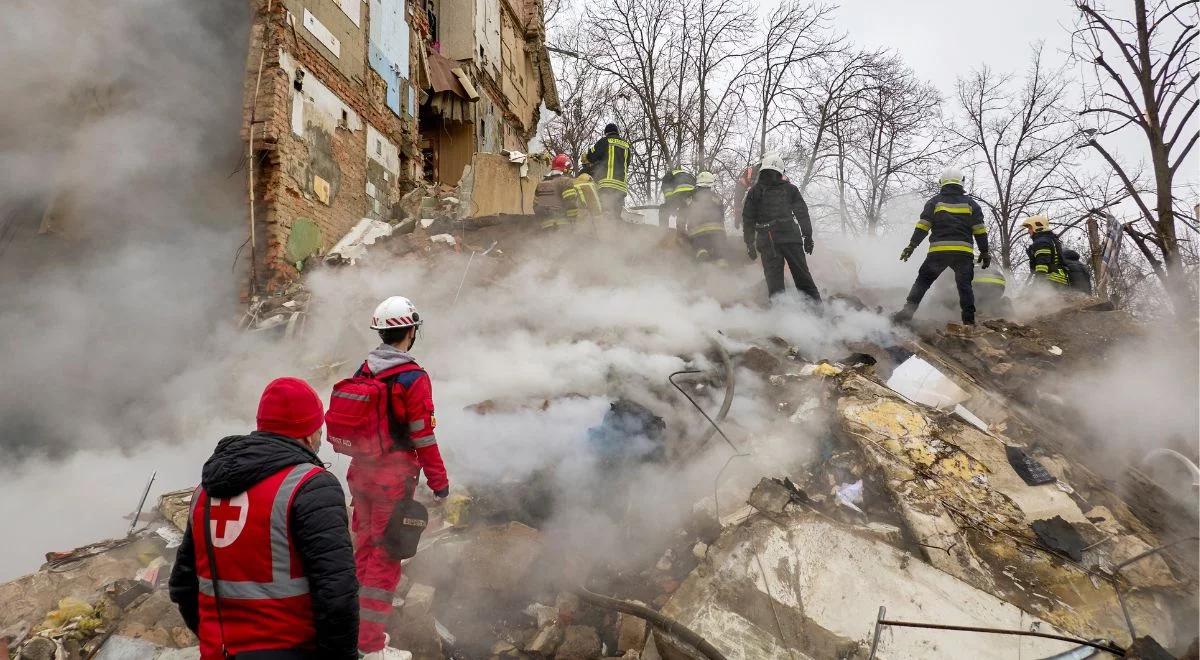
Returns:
(378, 484)
(266, 568)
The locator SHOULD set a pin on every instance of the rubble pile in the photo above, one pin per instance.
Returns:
(933, 489)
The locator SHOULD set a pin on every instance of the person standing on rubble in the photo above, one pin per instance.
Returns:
(1078, 274)
(1045, 253)
(583, 201)
(383, 418)
(677, 186)
(608, 162)
(266, 564)
(555, 196)
(705, 220)
(775, 224)
(951, 219)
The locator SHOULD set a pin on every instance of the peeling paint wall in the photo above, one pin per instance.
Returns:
(319, 21)
(388, 52)
(383, 167)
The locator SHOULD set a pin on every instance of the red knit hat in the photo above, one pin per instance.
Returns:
(291, 408)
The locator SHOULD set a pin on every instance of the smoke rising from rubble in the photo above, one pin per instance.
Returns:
(122, 121)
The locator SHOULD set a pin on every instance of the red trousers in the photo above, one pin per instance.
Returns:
(378, 574)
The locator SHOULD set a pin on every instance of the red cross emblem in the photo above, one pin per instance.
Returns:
(227, 518)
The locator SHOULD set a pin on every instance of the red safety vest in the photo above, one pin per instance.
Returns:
(265, 601)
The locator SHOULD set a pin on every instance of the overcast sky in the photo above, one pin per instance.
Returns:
(943, 39)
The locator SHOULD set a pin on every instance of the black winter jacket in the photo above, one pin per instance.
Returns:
(1045, 258)
(319, 528)
(1078, 274)
(774, 212)
(951, 219)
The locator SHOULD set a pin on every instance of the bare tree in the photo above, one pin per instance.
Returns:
(586, 101)
(796, 35)
(719, 66)
(834, 100)
(1146, 74)
(1023, 138)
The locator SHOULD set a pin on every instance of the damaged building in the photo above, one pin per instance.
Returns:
(352, 104)
(945, 509)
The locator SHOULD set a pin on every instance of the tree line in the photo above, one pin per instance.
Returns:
(712, 85)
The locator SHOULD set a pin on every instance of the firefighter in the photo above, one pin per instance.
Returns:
(775, 224)
(1045, 252)
(704, 220)
(677, 187)
(608, 163)
(988, 286)
(380, 480)
(555, 196)
(745, 181)
(951, 219)
(583, 201)
(1078, 274)
(266, 565)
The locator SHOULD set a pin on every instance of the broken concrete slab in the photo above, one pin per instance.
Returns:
(777, 589)
(760, 361)
(631, 631)
(579, 643)
(412, 626)
(500, 557)
(547, 640)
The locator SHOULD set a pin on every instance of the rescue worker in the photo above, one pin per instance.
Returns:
(555, 196)
(951, 219)
(1045, 252)
(776, 225)
(1078, 274)
(266, 563)
(608, 162)
(677, 187)
(377, 485)
(583, 201)
(704, 220)
(744, 182)
(988, 286)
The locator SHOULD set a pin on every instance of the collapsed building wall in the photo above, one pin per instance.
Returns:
(350, 105)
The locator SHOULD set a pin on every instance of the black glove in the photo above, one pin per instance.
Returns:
(985, 260)
(808, 245)
(751, 252)
(906, 253)
(442, 494)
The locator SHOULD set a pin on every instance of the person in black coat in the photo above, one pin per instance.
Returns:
(1078, 274)
(318, 526)
(775, 224)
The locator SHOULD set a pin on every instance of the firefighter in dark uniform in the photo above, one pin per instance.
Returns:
(1077, 273)
(704, 220)
(951, 219)
(1045, 253)
(608, 164)
(677, 187)
(555, 196)
(988, 286)
(775, 224)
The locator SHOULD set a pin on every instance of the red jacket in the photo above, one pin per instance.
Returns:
(265, 597)
(412, 404)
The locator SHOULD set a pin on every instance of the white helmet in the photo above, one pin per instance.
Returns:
(705, 180)
(951, 175)
(772, 161)
(395, 312)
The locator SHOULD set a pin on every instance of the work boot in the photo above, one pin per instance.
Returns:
(903, 316)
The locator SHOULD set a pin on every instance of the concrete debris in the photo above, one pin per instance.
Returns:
(760, 361)
(353, 246)
(631, 632)
(547, 640)
(412, 627)
(444, 238)
(501, 557)
(579, 643)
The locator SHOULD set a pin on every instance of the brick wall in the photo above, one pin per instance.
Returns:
(286, 164)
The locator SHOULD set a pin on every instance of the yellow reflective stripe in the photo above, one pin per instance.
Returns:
(979, 229)
(989, 280)
(613, 184)
(951, 248)
(1042, 251)
(1041, 269)
(551, 223)
(959, 209)
(572, 213)
(923, 226)
(706, 229)
(683, 187)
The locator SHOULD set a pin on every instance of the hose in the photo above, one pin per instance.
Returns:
(659, 620)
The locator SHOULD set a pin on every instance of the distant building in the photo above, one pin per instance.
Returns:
(351, 103)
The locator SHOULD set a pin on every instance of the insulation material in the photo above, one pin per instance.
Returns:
(322, 33)
(382, 151)
(316, 104)
(919, 381)
(352, 9)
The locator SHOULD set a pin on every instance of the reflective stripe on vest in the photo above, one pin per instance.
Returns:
(610, 179)
(989, 280)
(705, 229)
(282, 584)
(957, 209)
(951, 246)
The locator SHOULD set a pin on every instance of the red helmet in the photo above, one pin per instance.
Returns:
(561, 162)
